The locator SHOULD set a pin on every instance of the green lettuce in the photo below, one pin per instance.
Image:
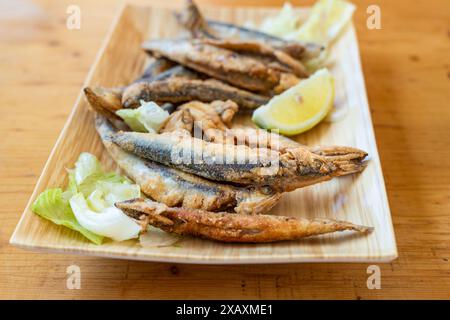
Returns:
(86, 165)
(93, 192)
(111, 222)
(52, 206)
(149, 117)
(117, 192)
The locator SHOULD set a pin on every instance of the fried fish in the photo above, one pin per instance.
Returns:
(179, 90)
(179, 120)
(156, 67)
(214, 116)
(255, 48)
(252, 137)
(226, 65)
(240, 164)
(192, 19)
(176, 188)
(226, 227)
(107, 101)
(260, 138)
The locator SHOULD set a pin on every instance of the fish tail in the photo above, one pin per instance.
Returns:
(345, 160)
(308, 228)
(255, 201)
(344, 225)
(349, 167)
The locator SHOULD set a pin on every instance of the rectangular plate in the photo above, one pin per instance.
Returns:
(359, 198)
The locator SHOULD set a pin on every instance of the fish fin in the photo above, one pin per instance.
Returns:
(347, 160)
(256, 201)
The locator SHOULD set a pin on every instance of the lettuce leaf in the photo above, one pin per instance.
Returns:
(131, 118)
(102, 189)
(286, 21)
(149, 117)
(111, 222)
(96, 202)
(87, 173)
(117, 192)
(52, 206)
(86, 165)
(90, 184)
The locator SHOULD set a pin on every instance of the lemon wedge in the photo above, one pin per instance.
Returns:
(325, 22)
(299, 108)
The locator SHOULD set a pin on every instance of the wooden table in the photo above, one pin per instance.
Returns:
(407, 72)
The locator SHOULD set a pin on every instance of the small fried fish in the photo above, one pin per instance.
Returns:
(295, 168)
(179, 90)
(226, 65)
(226, 227)
(179, 120)
(192, 19)
(176, 188)
(258, 48)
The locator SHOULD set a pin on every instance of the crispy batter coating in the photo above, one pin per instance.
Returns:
(179, 90)
(262, 49)
(177, 188)
(226, 65)
(227, 227)
(179, 120)
(295, 168)
(260, 138)
(199, 27)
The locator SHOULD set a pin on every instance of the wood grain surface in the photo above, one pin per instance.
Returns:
(407, 69)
